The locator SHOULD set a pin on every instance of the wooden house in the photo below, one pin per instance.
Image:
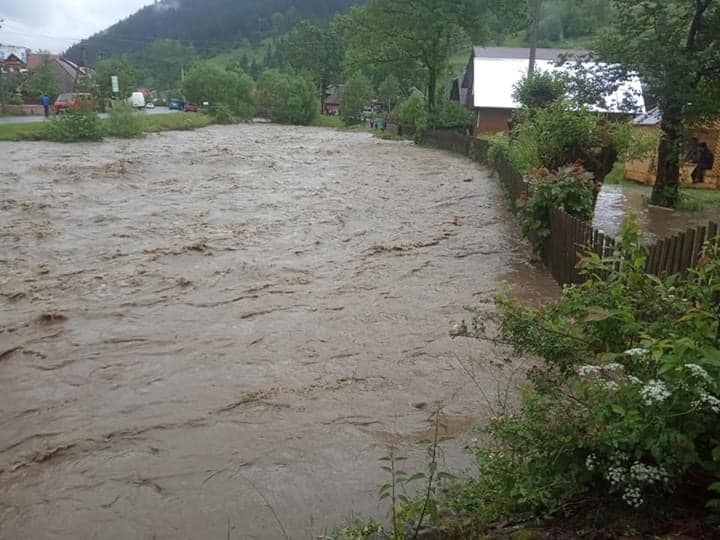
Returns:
(645, 170)
(492, 73)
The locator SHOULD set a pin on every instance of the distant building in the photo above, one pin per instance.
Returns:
(66, 71)
(13, 59)
(333, 100)
(492, 72)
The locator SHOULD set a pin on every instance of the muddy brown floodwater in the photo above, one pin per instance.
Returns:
(198, 327)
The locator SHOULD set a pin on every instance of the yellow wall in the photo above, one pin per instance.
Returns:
(645, 170)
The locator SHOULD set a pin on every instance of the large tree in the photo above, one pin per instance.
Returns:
(208, 83)
(43, 81)
(675, 47)
(317, 51)
(128, 77)
(421, 33)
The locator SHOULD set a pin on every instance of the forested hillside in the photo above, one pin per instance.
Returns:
(211, 26)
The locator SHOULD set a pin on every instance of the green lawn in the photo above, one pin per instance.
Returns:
(322, 120)
(155, 123)
(22, 132)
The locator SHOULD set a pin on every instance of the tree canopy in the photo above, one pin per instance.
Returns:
(675, 47)
(206, 82)
(421, 33)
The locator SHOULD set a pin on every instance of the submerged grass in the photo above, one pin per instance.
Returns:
(37, 131)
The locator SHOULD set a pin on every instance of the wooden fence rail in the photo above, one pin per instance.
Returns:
(571, 239)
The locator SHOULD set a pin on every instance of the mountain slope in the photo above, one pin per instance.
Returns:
(211, 26)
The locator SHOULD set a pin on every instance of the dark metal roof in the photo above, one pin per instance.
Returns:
(523, 52)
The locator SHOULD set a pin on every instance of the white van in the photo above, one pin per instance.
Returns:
(137, 100)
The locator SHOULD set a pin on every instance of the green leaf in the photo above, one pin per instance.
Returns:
(416, 476)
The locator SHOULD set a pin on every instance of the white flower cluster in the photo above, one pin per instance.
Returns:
(634, 380)
(699, 372)
(648, 474)
(708, 399)
(588, 369)
(610, 386)
(636, 352)
(632, 496)
(615, 474)
(591, 462)
(632, 480)
(613, 366)
(655, 392)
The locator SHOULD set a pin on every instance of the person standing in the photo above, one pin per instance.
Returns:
(45, 100)
(705, 162)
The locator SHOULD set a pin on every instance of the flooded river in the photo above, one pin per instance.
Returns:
(227, 328)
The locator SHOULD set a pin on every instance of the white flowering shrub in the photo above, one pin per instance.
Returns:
(625, 406)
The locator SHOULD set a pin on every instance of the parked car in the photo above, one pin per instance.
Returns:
(191, 107)
(137, 100)
(176, 105)
(74, 100)
(149, 105)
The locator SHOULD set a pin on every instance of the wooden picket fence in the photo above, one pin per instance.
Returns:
(570, 239)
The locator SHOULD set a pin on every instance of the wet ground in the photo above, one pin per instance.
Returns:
(616, 201)
(228, 327)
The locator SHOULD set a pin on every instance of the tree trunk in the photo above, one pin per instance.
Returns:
(667, 183)
(535, 6)
(432, 89)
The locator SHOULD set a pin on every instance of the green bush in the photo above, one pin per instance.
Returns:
(124, 121)
(75, 125)
(624, 408)
(451, 115)
(540, 89)
(569, 189)
(223, 114)
(207, 82)
(502, 145)
(355, 97)
(287, 98)
(412, 111)
(556, 135)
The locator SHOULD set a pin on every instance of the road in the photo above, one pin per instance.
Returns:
(29, 119)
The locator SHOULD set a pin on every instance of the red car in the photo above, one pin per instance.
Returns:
(76, 100)
(191, 107)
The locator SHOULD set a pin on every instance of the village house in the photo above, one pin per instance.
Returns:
(13, 59)
(331, 103)
(487, 85)
(645, 170)
(66, 71)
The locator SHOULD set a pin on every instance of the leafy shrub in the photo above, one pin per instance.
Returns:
(75, 125)
(412, 111)
(124, 122)
(556, 135)
(540, 89)
(451, 115)
(223, 114)
(15, 99)
(569, 189)
(287, 98)
(206, 82)
(356, 95)
(624, 409)
(502, 145)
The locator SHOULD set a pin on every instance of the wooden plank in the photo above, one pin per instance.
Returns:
(698, 244)
(687, 252)
(712, 232)
(677, 256)
(653, 255)
(670, 255)
(663, 246)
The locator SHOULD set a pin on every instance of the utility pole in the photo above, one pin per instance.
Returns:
(535, 8)
(2, 82)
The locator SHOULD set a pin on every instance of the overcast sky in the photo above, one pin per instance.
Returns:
(56, 24)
